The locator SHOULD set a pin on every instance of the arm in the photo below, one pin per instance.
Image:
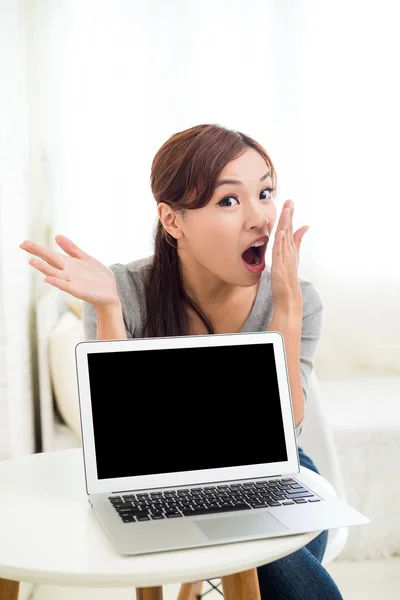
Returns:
(110, 323)
(289, 323)
(300, 346)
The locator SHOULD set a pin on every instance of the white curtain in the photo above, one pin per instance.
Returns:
(17, 331)
(315, 82)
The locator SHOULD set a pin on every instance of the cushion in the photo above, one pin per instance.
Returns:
(360, 331)
(75, 305)
(62, 341)
(365, 414)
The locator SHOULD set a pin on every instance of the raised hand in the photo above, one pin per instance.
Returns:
(285, 285)
(75, 272)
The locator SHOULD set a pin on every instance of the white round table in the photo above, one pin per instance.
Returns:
(50, 535)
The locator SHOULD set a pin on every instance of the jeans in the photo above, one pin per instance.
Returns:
(300, 575)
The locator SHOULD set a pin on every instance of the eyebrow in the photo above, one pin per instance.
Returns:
(236, 181)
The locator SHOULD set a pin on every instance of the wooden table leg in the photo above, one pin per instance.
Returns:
(9, 590)
(198, 586)
(147, 593)
(241, 586)
(189, 591)
(186, 592)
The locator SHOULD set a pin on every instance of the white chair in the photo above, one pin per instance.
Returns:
(317, 441)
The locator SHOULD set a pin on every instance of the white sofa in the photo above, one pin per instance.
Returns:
(363, 412)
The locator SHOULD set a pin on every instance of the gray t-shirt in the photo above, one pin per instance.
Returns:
(131, 279)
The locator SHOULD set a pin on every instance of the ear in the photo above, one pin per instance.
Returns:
(170, 220)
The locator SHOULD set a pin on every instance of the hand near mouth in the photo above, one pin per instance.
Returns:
(285, 285)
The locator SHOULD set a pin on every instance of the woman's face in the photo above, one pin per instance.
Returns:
(217, 237)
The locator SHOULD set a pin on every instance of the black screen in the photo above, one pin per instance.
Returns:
(173, 410)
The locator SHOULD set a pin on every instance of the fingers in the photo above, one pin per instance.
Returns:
(46, 269)
(59, 283)
(284, 216)
(52, 258)
(282, 229)
(285, 239)
(289, 224)
(70, 248)
(298, 236)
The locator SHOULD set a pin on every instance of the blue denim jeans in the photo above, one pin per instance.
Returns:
(300, 575)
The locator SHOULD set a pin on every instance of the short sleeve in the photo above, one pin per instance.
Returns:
(89, 321)
(310, 336)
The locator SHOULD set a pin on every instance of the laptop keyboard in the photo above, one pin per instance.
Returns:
(191, 502)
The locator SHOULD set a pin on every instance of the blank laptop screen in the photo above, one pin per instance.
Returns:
(183, 409)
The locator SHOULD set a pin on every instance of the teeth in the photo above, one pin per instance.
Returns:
(260, 243)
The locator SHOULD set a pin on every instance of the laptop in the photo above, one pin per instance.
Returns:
(190, 441)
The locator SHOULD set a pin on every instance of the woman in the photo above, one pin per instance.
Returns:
(214, 189)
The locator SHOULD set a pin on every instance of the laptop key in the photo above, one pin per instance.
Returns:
(299, 495)
(131, 511)
(129, 519)
(314, 500)
(290, 502)
(215, 509)
(140, 514)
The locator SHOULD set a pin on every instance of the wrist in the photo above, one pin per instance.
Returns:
(286, 319)
(110, 307)
(289, 308)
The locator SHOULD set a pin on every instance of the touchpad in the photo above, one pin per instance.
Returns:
(237, 526)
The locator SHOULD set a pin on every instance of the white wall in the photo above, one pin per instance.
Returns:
(120, 79)
(313, 82)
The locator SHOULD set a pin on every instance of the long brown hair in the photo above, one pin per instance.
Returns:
(183, 174)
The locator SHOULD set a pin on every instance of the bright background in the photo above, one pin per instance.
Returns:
(90, 90)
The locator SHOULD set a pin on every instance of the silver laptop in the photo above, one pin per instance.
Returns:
(190, 441)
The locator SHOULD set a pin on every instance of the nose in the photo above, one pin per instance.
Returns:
(255, 216)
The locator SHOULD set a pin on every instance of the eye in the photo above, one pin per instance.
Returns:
(270, 190)
(224, 201)
(228, 198)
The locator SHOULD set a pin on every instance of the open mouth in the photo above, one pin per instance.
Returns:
(255, 254)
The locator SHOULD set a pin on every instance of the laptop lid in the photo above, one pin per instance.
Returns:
(185, 410)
